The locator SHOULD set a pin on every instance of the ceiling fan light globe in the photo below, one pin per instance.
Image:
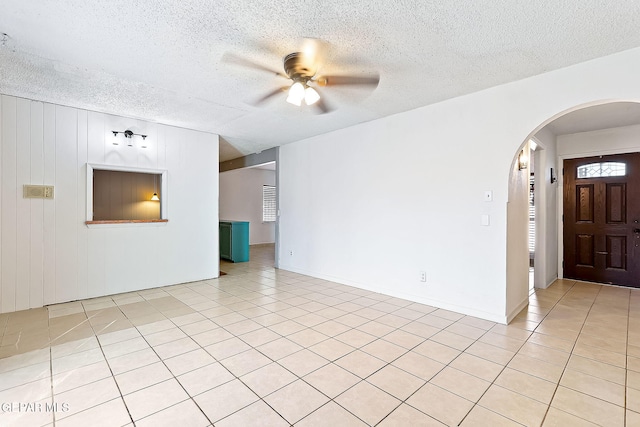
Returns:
(295, 101)
(296, 94)
(311, 96)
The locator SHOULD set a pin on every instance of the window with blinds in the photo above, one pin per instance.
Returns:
(268, 203)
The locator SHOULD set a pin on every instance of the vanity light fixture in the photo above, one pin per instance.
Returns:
(128, 136)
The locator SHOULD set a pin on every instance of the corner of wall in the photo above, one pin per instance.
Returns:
(517, 310)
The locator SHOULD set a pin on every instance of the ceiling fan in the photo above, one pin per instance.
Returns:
(302, 68)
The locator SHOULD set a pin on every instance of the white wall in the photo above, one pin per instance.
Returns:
(606, 141)
(546, 258)
(241, 200)
(48, 254)
(375, 204)
(518, 239)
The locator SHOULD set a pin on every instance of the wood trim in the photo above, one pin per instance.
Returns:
(126, 221)
(255, 159)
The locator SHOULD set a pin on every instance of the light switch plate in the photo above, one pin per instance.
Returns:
(37, 191)
(484, 220)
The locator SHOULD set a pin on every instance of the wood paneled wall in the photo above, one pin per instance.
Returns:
(49, 255)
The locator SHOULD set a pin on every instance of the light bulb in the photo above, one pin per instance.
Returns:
(296, 94)
(311, 96)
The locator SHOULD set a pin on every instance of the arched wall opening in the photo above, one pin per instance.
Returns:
(553, 149)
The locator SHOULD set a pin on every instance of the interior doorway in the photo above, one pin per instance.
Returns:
(248, 194)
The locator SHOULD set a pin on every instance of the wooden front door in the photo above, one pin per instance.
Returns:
(602, 219)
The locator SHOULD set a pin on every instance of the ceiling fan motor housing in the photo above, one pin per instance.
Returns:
(296, 69)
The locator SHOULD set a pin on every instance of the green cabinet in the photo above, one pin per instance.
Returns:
(234, 240)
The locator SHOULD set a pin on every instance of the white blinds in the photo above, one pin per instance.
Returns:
(268, 203)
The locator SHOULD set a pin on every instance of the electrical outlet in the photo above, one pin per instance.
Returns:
(423, 276)
(290, 253)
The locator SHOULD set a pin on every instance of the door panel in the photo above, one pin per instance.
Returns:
(584, 203)
(585, 250)
(617, 252)
(602, 219)
(616, 203)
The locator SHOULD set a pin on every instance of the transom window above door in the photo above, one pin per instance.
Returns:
(602, 170)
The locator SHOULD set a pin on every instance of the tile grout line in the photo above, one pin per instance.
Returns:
(165, 365)
(110, 368)
(507, 364)
(330, 362)
(386, 365)
(571, 353)
(216, 361)
(352, 328)
(53, 417)
(329, 337)
(492, 382)
(626, 361)
(298, 378)
(96, 336)
(310, 327)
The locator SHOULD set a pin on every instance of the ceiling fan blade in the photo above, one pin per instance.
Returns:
(347, 80)
(321, 106)
(269, 95)
(231, 58)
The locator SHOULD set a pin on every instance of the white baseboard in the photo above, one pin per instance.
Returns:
(493, 317)
(517, 310)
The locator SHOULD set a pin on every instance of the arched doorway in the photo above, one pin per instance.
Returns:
(608, 127)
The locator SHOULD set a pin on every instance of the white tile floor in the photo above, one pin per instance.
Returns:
(267, 347)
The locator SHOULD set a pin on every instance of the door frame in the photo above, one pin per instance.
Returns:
(560, 193)
(540, 205)
(251, 160)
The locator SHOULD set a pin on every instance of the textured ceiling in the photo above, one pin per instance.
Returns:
(161, 60)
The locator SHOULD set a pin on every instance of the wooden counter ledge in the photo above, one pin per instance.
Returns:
(126, 221)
